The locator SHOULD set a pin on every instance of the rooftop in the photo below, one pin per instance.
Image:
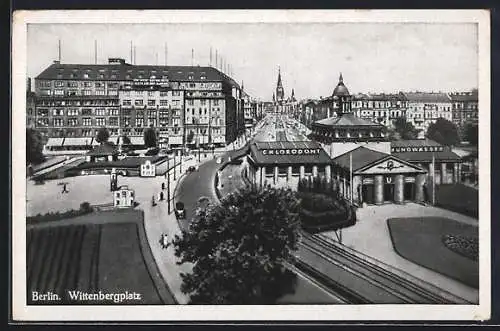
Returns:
(347, 120)
(310, 153)
(427, 97)
(414, 142)
(104, 149)
(122, 71)
(361, 157)
(465, 96)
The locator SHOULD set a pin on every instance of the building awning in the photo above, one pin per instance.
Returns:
(83, 141)
(288, 153)
(54, 142)
(136, 140)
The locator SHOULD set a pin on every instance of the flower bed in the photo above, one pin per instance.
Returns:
(465, 246)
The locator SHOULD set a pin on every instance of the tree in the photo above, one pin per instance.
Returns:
(238, 248)
(444, 132)
(471, 134)
(404, 129)
(34, 147)
(190, 136)
(150, 137)
(102, 135)
(125, 140)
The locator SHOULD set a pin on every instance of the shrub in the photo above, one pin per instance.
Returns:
(85, 208)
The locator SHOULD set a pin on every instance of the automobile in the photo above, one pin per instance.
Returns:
(192, 169)
(179, 210)
(219, 160)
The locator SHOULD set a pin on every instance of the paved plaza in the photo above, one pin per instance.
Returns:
(371, 236)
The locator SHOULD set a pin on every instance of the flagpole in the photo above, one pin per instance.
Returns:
(433, 180)
(350, 175)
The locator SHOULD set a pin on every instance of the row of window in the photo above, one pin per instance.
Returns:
(150, 103)
(59, 92)
(150, 93)
(86, 121)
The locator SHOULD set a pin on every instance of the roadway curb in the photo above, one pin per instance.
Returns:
(154, 271)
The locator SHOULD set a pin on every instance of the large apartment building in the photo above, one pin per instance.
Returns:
(186, 105)
(424, 108)
(419, 108)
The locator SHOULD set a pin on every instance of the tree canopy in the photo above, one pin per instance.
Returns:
(444, 132)
(34, 147)
(404, 129)
(190, 136)
(471, 134)
(150, 137)
(102, 135)
(238, 248)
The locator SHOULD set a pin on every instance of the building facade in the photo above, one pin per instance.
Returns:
(425, 108)
(380, 108)
(465, 108)
(75, 100)
(284, 163)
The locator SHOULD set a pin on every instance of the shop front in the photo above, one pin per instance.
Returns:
(440, 162)
(284, 163)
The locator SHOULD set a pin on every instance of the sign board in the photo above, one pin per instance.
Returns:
(390, 166)
(417, 149)
(148, 169)
(292, 151)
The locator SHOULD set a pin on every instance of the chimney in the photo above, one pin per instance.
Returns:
(28, 84)
(57, 62)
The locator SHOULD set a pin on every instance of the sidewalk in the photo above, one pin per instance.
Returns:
(157, 221)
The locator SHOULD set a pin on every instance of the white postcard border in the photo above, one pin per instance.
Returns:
(22, 312)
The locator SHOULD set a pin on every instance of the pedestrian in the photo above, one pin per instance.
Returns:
(161, 196)
(162, 186)
(153, 202)
(64, 189)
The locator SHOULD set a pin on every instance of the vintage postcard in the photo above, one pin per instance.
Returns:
(250, 165)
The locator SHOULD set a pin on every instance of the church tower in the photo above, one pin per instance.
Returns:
(280, 92)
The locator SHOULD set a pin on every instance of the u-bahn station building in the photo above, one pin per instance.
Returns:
(284, 163)
(358, 157)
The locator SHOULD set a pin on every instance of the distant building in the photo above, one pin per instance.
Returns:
(425, 108)
(123, 197)
(380, 108)
(465, 108)
(102, 153)
(148, 169)
(282, 105)
(75, 100)
(30, 105)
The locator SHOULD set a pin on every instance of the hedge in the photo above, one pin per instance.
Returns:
(85, 208)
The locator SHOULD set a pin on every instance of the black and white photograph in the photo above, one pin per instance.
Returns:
(316, 165)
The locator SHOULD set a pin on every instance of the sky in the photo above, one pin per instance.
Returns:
(373, 57)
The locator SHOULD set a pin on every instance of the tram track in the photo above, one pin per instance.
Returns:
(366, 281)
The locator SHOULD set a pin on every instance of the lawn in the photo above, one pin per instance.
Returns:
(420, 240)
(111, 256)
(458, 198)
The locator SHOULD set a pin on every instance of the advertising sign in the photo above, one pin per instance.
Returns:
(292, 151)
(417, 149)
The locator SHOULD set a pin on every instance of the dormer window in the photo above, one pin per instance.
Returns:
(85, 75)
(190, 77)
(203, 77)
